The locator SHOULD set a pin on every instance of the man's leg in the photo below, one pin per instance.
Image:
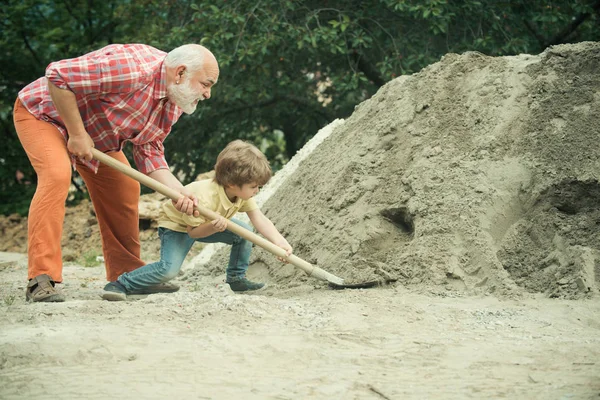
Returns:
(47, 150)
(115, 197)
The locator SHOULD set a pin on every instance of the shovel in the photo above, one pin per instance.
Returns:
(311, 270)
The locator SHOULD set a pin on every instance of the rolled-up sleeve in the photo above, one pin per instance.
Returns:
(149, 157)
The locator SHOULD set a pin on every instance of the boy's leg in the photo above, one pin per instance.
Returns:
(47, 150)
(240, 250)
(115, 197)
(174, 247)
(239, 257)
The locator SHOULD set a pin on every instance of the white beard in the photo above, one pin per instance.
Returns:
(183, 96)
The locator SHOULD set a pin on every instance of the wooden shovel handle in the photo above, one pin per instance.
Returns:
(211, 215)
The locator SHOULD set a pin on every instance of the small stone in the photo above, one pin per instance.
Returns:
(582, 285)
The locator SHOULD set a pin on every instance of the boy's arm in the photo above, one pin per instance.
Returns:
(266, 228)
(207, 228)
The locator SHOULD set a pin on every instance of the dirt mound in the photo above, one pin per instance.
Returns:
(477, 173)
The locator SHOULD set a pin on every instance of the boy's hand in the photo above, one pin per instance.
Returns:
(219, 224)
(286, 246)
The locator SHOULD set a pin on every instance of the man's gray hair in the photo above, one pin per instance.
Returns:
(190, 55)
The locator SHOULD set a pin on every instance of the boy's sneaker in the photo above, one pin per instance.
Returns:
(158, 288)
(114, 291)
(243, 285)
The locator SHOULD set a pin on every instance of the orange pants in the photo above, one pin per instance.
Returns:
(115, 198)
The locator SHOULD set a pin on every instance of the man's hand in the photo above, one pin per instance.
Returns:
(286, 246)
(219, 224)
(81, 146)
(186, 203)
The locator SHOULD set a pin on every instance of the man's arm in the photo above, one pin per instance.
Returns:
(112, 69)
(187, 201)
(79, 143)
(167, 178)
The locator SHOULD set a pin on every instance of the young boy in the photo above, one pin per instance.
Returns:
(239, 172)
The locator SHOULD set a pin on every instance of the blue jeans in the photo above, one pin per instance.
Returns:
(174, 247)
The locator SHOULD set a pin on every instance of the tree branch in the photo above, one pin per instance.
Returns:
(6, 127)
(540, 39)
(72, 13)
(569, 29)
(33, 53)
(244, 107)
(367, 68)
(269, 102)
(322, 111)
(107, 29)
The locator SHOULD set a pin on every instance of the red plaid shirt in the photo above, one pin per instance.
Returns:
(121, 94)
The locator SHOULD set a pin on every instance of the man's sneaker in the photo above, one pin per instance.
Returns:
(159, 288)
(243, 285)
(114, 291)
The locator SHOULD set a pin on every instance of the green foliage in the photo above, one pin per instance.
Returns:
(9, 299)
(91, 259)
(287, 67)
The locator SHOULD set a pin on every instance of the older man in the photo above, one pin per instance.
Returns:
(120, 93)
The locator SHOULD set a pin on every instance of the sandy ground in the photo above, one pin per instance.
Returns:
(205, 342)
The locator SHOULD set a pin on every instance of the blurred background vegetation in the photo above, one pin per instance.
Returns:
(288, 68)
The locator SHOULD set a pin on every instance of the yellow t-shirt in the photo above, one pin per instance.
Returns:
(210, 195)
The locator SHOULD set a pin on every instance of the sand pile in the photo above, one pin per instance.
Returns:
(476, 174)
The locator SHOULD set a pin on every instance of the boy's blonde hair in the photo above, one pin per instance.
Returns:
(241, 163)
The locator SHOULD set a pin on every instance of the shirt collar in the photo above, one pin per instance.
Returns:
(227, 204)
(160, 87)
